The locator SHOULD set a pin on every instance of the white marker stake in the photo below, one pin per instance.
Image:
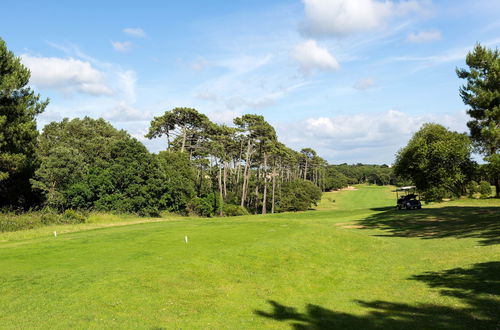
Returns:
(185, 239)
(55, 234)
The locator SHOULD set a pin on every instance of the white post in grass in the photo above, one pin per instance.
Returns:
(55, 234)
(185, 239)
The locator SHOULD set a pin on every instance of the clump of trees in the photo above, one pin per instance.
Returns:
(439, 161)
(241, 168)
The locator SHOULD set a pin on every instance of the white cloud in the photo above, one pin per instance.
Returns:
(424, 36)
(310, 56)
(364, 84)
(224, 117)
(135, 32)
(236, 102)
(126, 81)
(200, 64)
(346, 17)
(66, 74)
(124, 112)
(121, 46)
(206, 95)
(372, 138)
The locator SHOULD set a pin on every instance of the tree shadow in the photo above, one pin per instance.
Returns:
(477, 288)
(451, 221)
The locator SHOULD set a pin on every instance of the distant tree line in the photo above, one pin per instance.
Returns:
(340, 176)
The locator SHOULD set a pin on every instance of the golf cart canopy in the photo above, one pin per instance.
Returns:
(405, 188)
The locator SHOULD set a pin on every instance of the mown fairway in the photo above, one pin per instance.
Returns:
(353, 263)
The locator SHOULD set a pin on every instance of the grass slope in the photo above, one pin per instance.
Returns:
(352, 264)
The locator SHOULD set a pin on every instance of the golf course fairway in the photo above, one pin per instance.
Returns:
(353, 263)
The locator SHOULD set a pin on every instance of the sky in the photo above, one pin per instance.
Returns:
(352, 79)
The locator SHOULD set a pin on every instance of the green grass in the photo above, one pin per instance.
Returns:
(352, 264)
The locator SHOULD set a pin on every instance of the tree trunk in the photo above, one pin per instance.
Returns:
(246, 175)
(305, 170)
(225, 178)
(183, 139)
(221, 213)
(273, 191)
(264, 198)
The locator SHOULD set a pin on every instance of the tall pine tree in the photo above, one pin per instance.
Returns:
(19, 106)
(481, 93)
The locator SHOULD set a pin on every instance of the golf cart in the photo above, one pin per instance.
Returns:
(407, 198)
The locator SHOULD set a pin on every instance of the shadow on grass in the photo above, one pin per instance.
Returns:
(451, 221)
(477, 288)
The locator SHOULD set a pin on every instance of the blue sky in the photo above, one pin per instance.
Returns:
(352, 79)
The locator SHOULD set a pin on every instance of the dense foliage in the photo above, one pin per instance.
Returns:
(19, 106)
(481, 93)
(298, 195)
(437, 161)
(88, 164)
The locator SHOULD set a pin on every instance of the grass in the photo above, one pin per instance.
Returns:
(351, 264)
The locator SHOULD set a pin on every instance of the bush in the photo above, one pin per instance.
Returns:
(484, 189)
(472, 188)
(232, 210)
(71, 216)
(206, 206)
(12, 221)
(298, 195)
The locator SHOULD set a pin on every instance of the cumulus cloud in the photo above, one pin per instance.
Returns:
(310, 57)
(135, 32)
(346, 17)
(372, 138)
(424, 36)
(124, 112)
(121, 46)
(364, 84)
(67, 74)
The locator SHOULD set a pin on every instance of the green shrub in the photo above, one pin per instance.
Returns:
(232, 210)
(206, 206)
(298, 195)
(71, 216)
(201, 206)
(484, 189)
(12, 221)
(472, 188)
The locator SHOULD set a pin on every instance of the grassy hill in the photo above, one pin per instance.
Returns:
(354, 263)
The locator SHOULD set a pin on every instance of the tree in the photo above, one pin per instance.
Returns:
(183, 124)
(87, 163)
(299, 195)
(437, 161)
(19, 106)
(481, 93)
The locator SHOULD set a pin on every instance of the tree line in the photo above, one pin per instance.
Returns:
(206, 168)
(214, 169)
